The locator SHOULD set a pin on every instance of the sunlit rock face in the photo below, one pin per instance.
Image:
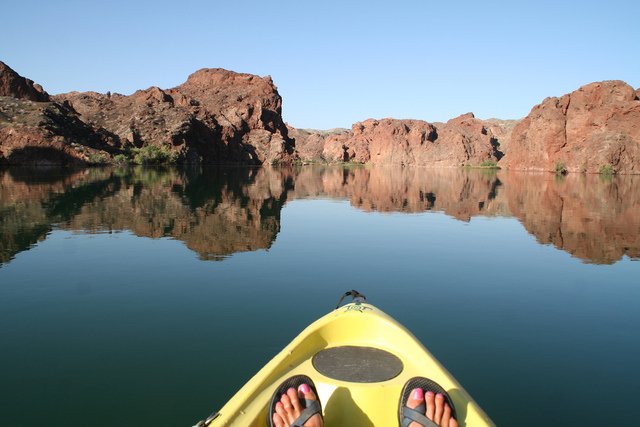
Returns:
(593, 127)
(462, 141)
(217, 212)
(216, 116)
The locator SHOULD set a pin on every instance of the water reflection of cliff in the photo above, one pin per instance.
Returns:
(218, 212)
(593, 218)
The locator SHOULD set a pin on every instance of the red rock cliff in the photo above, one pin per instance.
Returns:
(461, 141)
(595, 126)
(216, 116)
(14, 85)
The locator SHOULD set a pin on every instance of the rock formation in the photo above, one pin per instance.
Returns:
(594, 127)
(501, 130)
(216, 116)
(461, 141)
(15, 86)
(46, 133)
(247, 108)
(310, 142)
(219, 116)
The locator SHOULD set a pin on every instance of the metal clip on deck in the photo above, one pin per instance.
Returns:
(356, 297)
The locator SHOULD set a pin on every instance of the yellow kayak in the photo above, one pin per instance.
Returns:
(359, 359)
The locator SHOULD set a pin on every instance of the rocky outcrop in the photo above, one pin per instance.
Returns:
(34, 130)
(46, 133)
(501, 130)
(216, 116)
(594, 127)
(310, 142)
(247, 108)
(15, 86)
(461, 141)
(219, 116)
(146, 117)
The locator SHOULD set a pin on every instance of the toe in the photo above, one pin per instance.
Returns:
(287, 408)
(437, 416)
(415, 398)
(278, 421)
(295, 401)
(282, 414)
(446, 416)
(431, 403)
(305, 392)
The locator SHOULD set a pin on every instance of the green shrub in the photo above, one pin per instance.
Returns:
(488, 164)
(153, 155)
(121, 160)
(561, 169)
(97, 158)
(607, 170)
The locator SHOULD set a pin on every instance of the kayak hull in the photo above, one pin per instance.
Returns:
(368, 398)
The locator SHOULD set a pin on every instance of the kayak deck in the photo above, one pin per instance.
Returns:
(359, 359)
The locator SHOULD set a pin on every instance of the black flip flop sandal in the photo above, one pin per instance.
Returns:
(310, 407)
(407, 415)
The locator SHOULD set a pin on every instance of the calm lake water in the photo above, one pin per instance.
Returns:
(149, 296)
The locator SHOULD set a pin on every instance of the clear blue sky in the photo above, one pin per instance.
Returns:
(334, 62)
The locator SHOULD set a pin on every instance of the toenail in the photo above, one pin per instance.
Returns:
(429, 393)
(439, 396)
(305, 389)
(418, 394)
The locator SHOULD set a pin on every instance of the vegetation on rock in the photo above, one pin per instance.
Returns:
(561, 168)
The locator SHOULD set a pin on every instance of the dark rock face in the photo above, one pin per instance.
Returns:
(597, 125)
(216, 116)
(461, 141)
(14, 85)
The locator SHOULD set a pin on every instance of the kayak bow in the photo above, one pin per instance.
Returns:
(359, 358)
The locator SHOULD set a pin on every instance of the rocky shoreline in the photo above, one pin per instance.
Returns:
(222, 117)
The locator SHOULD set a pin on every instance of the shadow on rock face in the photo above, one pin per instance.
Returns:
(42, 157)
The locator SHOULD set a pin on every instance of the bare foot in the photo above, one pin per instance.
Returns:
(289, 408)
(438, 410)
